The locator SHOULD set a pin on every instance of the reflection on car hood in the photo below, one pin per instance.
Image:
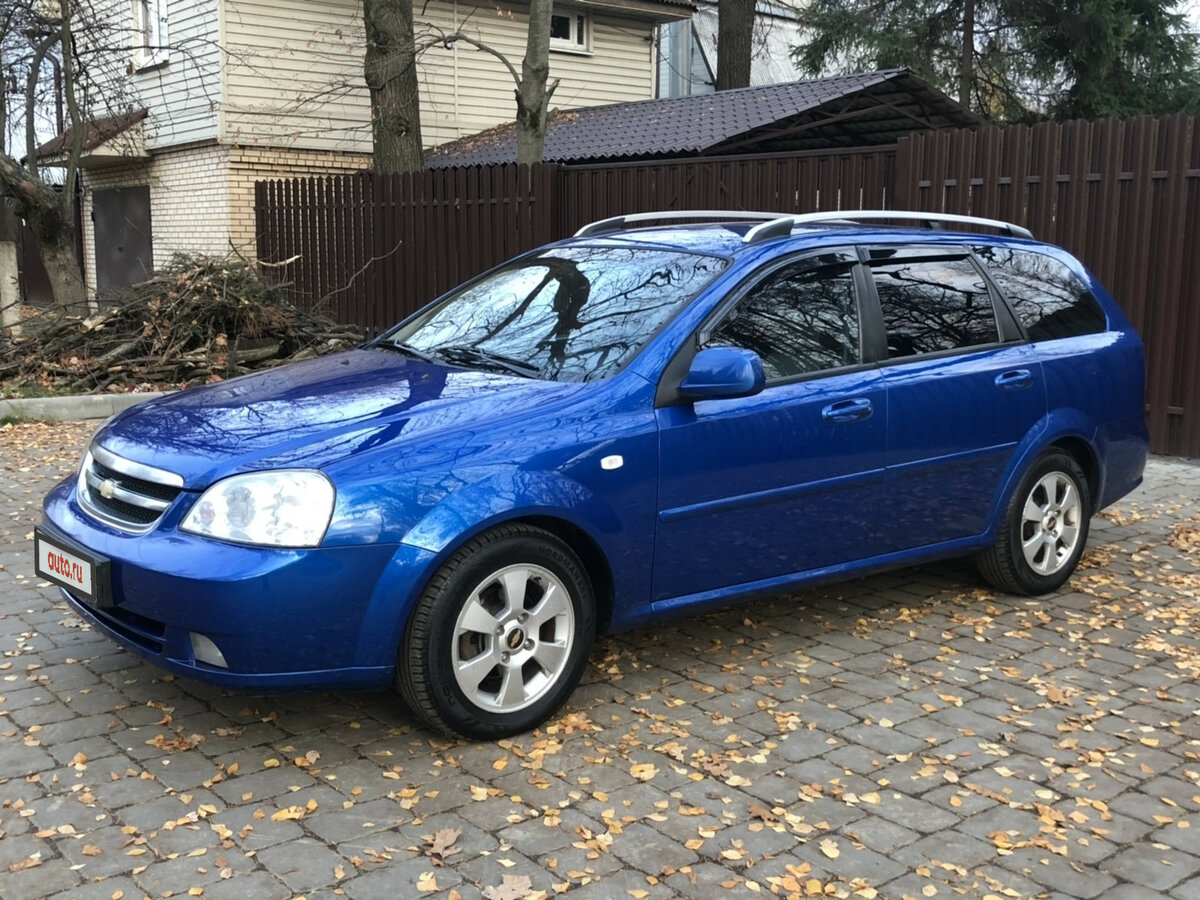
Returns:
(314, 413)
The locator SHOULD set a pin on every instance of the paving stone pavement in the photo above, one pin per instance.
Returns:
(905, 735)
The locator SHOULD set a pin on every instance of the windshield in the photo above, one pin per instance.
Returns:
(569, 314)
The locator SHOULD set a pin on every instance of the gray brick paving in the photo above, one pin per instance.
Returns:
(911, 733)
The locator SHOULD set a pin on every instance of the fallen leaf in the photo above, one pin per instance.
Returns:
(514, 887)
(440, 846)
(643, 771)
(427, 882)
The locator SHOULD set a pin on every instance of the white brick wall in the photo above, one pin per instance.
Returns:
(189, 202)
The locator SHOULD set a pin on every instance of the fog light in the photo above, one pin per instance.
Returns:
(205, 651)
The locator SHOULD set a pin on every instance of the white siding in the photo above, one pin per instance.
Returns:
(182, 94)
(294, 75)
(465, 90)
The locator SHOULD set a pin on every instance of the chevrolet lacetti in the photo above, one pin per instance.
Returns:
(665, 412)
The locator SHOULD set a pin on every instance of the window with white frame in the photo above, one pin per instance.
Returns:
(570, 30)
(149, 33)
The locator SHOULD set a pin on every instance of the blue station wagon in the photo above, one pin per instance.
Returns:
(662, 413)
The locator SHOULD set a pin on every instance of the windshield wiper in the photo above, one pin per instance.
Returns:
(465, 353)
(407, 350)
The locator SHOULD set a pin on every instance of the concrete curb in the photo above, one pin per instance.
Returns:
(79, 406)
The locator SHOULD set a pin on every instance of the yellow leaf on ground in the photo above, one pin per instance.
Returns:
(643, 771)
(427, 882)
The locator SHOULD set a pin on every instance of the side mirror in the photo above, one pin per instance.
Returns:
(723, 372)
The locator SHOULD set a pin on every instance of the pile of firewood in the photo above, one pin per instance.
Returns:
(199, 320)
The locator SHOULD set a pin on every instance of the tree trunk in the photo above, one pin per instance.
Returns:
(391, 75)
(55, 236)
(735, 37)
(533, 94)
(49, 216)
(966, 68)
(65, 276)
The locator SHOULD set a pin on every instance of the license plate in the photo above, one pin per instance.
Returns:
(82, 573)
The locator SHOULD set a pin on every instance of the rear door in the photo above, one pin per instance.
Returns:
(963, 388)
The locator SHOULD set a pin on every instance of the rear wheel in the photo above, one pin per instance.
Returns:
(499, 639)
(1045, 529)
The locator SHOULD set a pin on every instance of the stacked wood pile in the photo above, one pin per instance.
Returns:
(199, 320)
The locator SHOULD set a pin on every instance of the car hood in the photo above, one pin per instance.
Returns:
(315, 413)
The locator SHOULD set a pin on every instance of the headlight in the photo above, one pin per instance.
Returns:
(287, 508)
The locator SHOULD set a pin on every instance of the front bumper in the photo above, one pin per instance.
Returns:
(329, 617)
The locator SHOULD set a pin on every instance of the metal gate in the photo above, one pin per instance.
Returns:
(122, 226)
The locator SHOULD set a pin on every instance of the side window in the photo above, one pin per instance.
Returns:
(149, 33)
(569, 30)
(798, 319)
(933, 305)
(1045, 296)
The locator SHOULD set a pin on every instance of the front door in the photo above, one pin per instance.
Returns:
(787, 480)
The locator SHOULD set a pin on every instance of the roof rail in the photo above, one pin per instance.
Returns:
(783, 225)
(619, 223)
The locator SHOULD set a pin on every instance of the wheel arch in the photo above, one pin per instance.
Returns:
(414, 566)
(1067, 430)
(594, 560)
(584, 545)
(1085, 455)
(571, 511)
(425, 674)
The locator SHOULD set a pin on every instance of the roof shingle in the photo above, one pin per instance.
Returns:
(841, 111)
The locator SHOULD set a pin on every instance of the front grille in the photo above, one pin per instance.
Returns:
(124, 493)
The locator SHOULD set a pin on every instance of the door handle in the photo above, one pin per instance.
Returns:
(847, 411)
(1016, 380)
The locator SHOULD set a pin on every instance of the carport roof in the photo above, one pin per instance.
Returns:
(842, 111)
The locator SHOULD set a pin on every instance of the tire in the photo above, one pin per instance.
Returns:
(1045, 529)
(470, 615)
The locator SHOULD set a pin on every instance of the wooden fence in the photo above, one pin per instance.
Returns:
(370, 249)
(1124, 196)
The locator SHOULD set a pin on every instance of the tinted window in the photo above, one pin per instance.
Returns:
(934, 305)
(797, 319)
(570, 314)
(1046, 297)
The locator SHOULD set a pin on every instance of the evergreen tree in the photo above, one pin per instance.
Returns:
(1018, 60)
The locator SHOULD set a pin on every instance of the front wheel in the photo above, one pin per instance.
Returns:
(1044, 531)
(499, 638)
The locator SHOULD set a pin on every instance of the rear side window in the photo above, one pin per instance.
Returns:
(797, 319)
(933, 305)
(1046, 296)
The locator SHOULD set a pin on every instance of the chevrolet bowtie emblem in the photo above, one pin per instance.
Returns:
(108, 487)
